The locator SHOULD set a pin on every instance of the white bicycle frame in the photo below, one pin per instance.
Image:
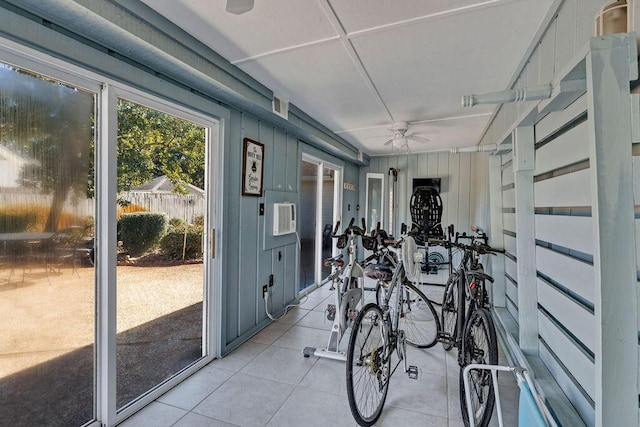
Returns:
(346, 299)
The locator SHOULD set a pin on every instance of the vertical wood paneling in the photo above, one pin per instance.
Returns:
(231, 269)
(456, 184)
(280, 160)
(454, 191)
(404, 189)
(292, 164)
(547, 48)
(443, 173)
(249, 246)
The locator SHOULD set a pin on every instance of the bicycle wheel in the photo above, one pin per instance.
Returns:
(418, 318)
(368, 365)
(449, 311)
(479, 346)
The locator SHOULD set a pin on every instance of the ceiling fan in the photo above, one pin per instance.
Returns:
(238, 7)
(400, 136)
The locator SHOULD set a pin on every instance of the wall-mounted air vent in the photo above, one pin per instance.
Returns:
(284, 218)
(280, 107)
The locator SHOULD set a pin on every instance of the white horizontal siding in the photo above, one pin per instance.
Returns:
(513, 311)
(572, 189)
(574, 359)
(512, 291)
(509, 198)
(507, 175)
(511, 268)
(509, 222)
(554, 121)
(572, 274)
(507, 157)
(582, 405)
(574, 232)
(574, 317)
(568, 148)
(510, 245)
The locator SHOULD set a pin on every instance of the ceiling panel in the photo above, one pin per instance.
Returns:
(270, 26)
(323, 81)
(422, 70)
(357, 65)
(358, 15)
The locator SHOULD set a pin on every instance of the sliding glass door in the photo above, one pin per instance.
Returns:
(319, 210)
(107, 217)
(47, 279)
(161, 277)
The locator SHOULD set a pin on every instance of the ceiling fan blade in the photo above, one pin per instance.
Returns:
(389, 142)
(419, 139)
(238, 7)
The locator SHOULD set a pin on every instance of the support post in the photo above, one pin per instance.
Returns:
(523, 167)
(498, 293)
(616, 310)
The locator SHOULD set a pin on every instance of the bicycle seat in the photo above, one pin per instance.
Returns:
(379, 272)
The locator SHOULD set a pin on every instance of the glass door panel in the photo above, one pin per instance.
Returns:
(308, 204)
(47, 279)
(328, 196)
(160, 275)
(374, 200)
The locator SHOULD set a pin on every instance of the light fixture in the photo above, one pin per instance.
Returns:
(238, 7)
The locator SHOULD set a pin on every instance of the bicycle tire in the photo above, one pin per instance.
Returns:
(368, 373)
(449, 311)
(418, 318)
(480, 346)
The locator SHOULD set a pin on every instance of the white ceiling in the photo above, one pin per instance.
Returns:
(357, 66)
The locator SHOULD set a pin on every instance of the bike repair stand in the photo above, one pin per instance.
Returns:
(343, 312)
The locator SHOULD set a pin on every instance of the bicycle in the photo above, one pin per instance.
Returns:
(377, 333)
(468, 325)
(349, 291)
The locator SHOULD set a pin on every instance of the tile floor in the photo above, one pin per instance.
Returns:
(267, 382)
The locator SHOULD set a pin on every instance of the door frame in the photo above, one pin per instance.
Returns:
(336, 216)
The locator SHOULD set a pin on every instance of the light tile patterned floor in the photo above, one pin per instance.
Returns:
(267, 382)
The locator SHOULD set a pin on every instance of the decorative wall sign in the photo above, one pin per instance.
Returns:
(349, 186)
(252, 168)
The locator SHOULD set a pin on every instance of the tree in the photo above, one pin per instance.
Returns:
(51, 126)
(152, 143)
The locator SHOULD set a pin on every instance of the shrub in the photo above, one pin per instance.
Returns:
(177, 222)
(17, 219)
(141, 231)
(173, 241)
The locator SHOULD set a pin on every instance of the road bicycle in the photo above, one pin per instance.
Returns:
(349, 290)
(467, 324)
(379, 331)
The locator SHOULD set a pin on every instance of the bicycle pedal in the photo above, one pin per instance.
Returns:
(413, 372)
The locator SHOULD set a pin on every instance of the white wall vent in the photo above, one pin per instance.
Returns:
(280, 107)
(284, 218)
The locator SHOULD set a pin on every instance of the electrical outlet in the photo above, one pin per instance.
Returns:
(264, 290)
(271, 280)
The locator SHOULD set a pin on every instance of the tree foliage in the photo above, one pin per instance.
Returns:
(50, 125)
(152, 143)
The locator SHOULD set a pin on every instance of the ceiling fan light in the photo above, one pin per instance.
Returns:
(238, 7)
(401, 141)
